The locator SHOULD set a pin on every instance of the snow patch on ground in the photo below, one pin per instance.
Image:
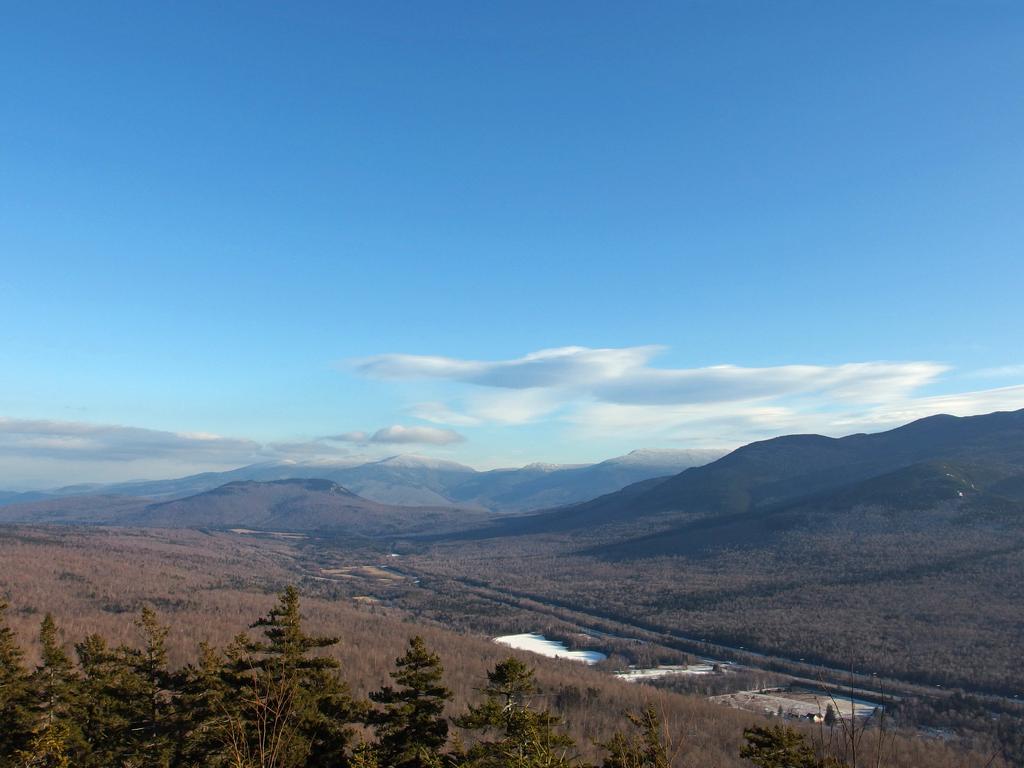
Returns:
(553, 649)
(635, 675)
(796, 702)
(277, 534)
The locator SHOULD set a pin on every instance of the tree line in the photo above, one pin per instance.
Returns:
(275, 701)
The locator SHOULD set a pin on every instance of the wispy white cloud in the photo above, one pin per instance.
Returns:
(42, 452)
(620, 393)
(297, 449)
(422, 435)
(493, 406)
(615, 395)
(441, 413)
(999, 372)
(513, 406)
(83, 441)
(955, 404)
(107, 442)
(863, 382)
(626, 376)
(346, 437)
(717, 424)
(561, 367)
(401, 435)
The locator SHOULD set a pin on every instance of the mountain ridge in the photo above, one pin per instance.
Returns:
(410, 480)
(758, 490)
(311, 505)
(769, 473)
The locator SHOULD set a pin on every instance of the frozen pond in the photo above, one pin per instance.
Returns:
(535, 643)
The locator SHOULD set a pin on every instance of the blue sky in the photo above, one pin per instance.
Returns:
(220, 223)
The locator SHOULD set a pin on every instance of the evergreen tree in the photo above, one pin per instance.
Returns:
(778, 747)
(287, 702)
(48, 748)
(153, 718)
(55, 689)
(15, 699)
(205, 712)
(512, 735)
(127, 712)
(411, 728)
(107, 707)
(646, 749)
(364, 756)
(54, 679)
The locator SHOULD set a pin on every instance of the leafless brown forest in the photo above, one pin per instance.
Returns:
(208, 587)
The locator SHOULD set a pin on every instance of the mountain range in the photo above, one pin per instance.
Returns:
(752, 494)
(834, 550)
(293, 505)
(898, 552)
(976, 462)
(419, 481)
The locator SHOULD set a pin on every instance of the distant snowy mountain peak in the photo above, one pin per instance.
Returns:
(426, 462)
(668, 457)
(541, 466)
(347, 461)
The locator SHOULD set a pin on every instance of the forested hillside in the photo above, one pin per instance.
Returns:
(281, 505)
(836, 551)
(766, 476)
(274, 700)
(115, 674)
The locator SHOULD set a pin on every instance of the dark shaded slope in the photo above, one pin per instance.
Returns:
(542, 487)
(21, 497)
(280, 505)
(770, 473)
(931, 496)
(399, 480)
(297, 505)
(790, 467)
(103, 510)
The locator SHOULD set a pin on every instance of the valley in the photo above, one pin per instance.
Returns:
(484, 608)
(208, 585)
(824, 564)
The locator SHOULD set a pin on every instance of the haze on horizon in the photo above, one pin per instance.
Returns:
(498, 235)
